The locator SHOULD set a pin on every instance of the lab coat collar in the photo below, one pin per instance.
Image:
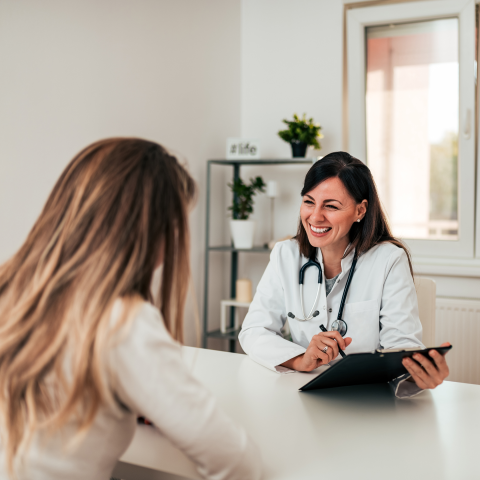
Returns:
(346, 261)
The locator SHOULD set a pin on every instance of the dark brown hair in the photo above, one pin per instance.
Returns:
(117, 204)
(358, 180)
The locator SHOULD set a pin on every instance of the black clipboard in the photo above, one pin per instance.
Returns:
(380, 366)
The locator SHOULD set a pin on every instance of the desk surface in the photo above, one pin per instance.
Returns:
(352, 432)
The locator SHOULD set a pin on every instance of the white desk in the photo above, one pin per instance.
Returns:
(347, 433)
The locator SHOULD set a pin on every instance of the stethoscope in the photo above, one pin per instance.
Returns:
(339, 324)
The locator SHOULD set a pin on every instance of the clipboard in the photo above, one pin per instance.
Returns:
(380, 366)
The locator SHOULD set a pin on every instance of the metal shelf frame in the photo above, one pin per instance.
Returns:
(236, 164)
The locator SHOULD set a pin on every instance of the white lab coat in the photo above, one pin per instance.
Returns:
(381, 308)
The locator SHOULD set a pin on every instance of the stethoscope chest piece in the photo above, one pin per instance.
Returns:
(340, 326)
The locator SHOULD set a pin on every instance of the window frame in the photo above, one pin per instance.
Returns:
(358, 19)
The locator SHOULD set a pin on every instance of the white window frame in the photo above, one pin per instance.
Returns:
(477, 130)
(358, 19)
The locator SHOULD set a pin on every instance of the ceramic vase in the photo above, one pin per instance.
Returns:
(242, 233)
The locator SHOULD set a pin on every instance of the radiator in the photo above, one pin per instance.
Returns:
(458, 322)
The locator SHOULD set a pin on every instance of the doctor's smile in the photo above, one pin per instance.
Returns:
(319, 231)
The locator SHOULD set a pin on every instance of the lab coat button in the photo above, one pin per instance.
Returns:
(330, 310)
(324, 307)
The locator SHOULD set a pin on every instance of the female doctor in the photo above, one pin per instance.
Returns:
(346, 249)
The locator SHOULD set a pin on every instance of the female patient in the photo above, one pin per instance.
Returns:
(83, 351)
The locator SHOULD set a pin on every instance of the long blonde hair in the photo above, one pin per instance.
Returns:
(115, 206)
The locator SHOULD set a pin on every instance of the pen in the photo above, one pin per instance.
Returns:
(340, 351)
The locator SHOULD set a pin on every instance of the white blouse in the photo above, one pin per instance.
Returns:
(150, 379)
(381, 308)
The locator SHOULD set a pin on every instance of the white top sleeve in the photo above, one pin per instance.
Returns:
(261, 336)
(150, 378)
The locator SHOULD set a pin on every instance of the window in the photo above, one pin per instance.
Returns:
(411, 92)
(412, 98)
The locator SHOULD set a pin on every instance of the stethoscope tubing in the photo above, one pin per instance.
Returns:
(347, 287)
(301, 277)
(310, 316)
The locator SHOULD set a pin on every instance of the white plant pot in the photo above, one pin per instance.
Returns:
(242, 233)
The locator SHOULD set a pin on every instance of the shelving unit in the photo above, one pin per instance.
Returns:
(231, 336)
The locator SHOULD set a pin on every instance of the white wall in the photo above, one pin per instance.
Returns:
(73, 72)
(291, 63)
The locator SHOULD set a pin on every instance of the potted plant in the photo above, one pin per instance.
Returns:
(241, 227)
(300, 134)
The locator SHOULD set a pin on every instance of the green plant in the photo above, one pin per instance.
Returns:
(242, 205)
(301, 130)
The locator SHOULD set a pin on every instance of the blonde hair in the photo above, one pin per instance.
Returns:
(99, 237)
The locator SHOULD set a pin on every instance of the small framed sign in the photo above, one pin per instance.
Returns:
(243, 149)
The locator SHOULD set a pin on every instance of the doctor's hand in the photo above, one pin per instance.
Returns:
(315, 354)
(427, 374)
